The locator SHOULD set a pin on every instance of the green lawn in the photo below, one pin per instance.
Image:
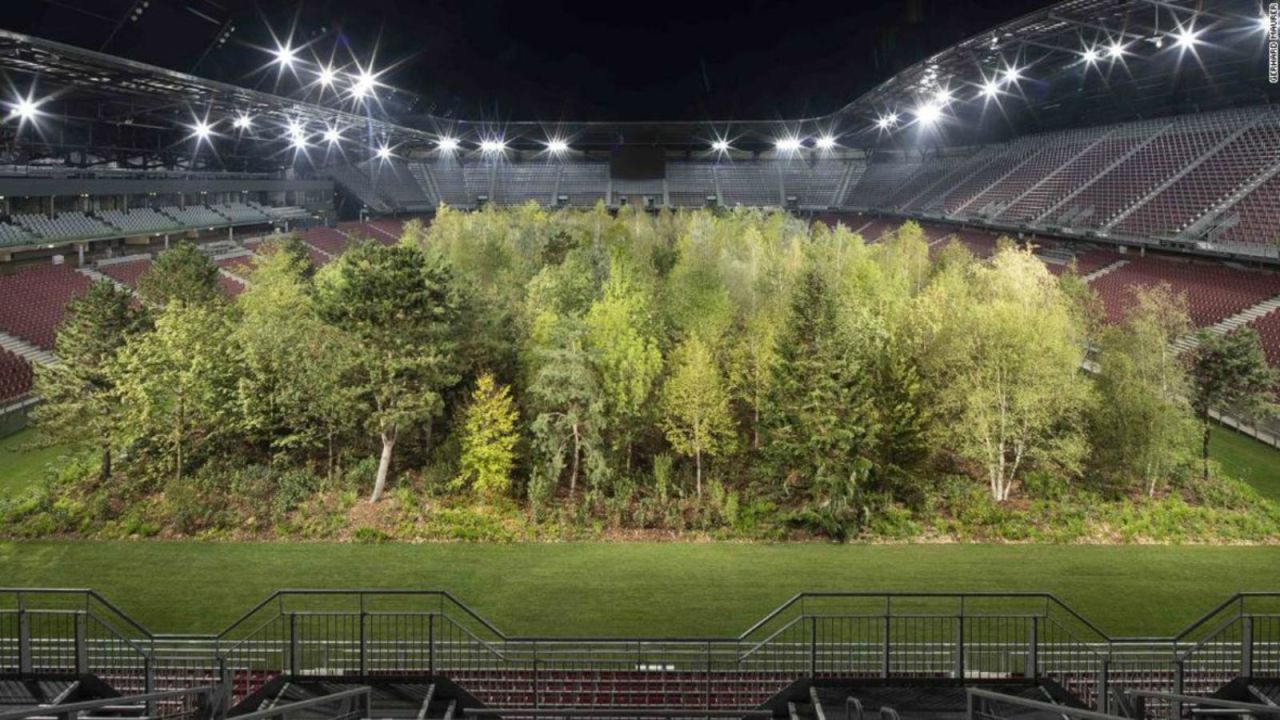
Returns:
(1247, 459)
(640, 588)
(21, 463)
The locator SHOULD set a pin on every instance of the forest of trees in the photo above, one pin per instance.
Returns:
(737, 372)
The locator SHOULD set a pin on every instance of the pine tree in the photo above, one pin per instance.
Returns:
(489, 438)
(182, 273)
(79, 405)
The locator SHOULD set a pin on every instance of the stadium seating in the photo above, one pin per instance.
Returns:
(13, 234)
(241, 213)
(34, 299)
(327, 240)
(15, 376)
(1255, 219)
(1268, 327)
(196, 216)
(689, 183)
(63, 226)
(394, 184)
(1214, 292)
(139, 221)
(126, 271)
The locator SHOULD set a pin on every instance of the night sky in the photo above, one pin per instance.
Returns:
(548, 61)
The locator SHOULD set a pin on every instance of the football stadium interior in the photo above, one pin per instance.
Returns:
(1131, 143)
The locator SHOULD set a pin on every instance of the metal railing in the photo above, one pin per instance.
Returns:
(1192, 705)
(352, 704)
(193, 703)
(957, 636)
(985, 704)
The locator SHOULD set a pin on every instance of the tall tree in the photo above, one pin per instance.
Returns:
(1009, 360)
(79, 392)
(182, 273)
(1143, 416)
(625, 352)
(820, 417)
(400, 305)
(1230, 372)
(696, 405)
(176, 384)
(568, 404)
(489, 438)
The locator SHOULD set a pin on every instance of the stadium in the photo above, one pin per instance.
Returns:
(325, 397)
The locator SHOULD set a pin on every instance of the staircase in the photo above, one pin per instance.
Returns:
(1105, 270)
(26, 350)
(1248, 315)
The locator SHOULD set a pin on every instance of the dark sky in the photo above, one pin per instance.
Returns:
(548, 61)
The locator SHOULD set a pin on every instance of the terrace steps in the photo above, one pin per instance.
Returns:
(1244, 317)
(1105, 270)
(26, 350)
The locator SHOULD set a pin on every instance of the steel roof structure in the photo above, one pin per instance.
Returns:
(1174, 56)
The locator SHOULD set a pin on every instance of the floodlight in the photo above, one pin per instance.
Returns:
(1090, 56)
(285, 55)
(1115, 51)
(326, 76)
(556, 146)
(1264, 23)
(363, 84)
(492, 146)
(447, 144)
(1012, 75)
(720, 146)
(25, 109)
(243, 122)
(1185, 38)
(942, 97)
(928, 113)
(299, 142)
(202, 129)
(384, 153)
(883, 122)
(332, 136)
(990, 88)
(826, 142)
(788, 144)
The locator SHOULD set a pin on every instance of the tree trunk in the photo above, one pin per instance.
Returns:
(1207, 435)
(105, 473)
(697, 461)
(384, 464)
(573, 476)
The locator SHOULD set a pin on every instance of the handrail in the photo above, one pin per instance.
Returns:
(639, 712)
(276, 710)
(1066, 710)
(757, 646)
(81, 706)
(1202, 700)
(88, 593)
(1236, 598)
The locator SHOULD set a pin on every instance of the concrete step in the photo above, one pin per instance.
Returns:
(26, 350)
(1226, 325)
(1105, 270)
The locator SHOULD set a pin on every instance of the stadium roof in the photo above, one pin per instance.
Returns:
(1075, 62)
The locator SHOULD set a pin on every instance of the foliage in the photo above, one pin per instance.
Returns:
(1230, 371)
(573, 371)
(489, 438)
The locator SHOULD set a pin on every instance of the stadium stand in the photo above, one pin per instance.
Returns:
(241, 213)
(1213, 292)
(127, 270)
(196, 216)
(1268, 327)
(63, 226)
(330, 241)
(15, 376)
(34, 299)
(140, 221)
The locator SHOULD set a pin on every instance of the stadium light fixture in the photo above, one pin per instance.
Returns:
(942, 97)
(1264, 23)
(332, 136)
(788, 144)
(1012, 75)
(826, 142)
(243, 122)
(25, 109)
(1115, 51)
(362, 85)
(720, 145)
(990, 89)
(557, 146)
(202, 130)
(884, 122)
(1185, 38)
(285, 55)
(928, 113)
(326, 76)
(384, 152)
(1090, 56)
(447, 144)
(493, 146)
